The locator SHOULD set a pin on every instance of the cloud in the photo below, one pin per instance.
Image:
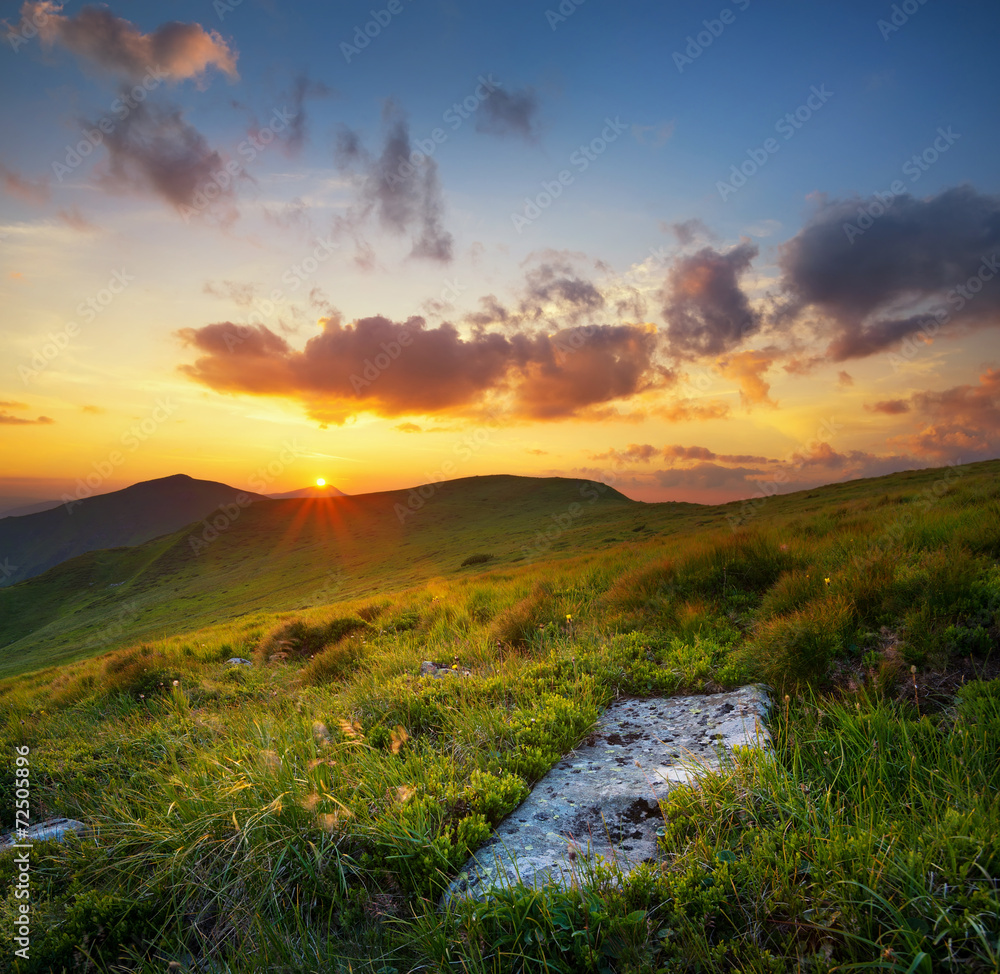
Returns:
(7, 419)
(93, 410)
(707, 476)
(72, 217)
(155, 149)
(178, 51)
(398, 368)
(403, 196)
(633, 453)
(748, 369)
(844, 379)
(872, 289)
(891, 407)
(538, 453)
(553, 289)
(704, 306)
(961, 423)
(408, 428)
(689, 232)
(687, 410)
(29, 190)
(509, 113)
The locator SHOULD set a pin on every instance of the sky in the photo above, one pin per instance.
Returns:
(698, 251)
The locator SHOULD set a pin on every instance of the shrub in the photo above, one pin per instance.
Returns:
(477, 560)
(796, 649)
(299, 638)
(517, 624)
(645, 588)
(139, 670)
(746, 562)
(335, 663)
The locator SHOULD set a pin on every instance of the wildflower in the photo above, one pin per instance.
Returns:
(177, 683)
(826, 581)
(569, 617)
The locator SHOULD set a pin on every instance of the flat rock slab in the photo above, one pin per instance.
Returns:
(603, 798)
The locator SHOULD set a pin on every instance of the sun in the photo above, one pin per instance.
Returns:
(320, 482)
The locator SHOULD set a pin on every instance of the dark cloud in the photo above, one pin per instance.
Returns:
(704, 306)
(294, 138)
(403, 195)
(175, 50)
(689, 232)
(901, 275)
(554, 289)
(891, 407)
(509, 113)
(707, 476)
(397, 368)
(155, 149)
(845, 379)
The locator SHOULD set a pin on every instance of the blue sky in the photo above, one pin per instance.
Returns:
(895, 79)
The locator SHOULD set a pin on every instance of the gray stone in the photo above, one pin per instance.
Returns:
(53, 828)
(239, 661)
(602, 800)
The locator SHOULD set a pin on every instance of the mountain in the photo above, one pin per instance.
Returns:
(35, 508)
(311, 491)
(33, 543)
(285, 554)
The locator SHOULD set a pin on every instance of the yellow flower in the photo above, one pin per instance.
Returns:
(827, 581)
(569, 618)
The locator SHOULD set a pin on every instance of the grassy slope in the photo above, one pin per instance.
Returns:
(293, 553)
(237, 834)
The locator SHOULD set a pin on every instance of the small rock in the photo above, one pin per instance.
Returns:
(53, 828)
(427, 668)
(238, 661)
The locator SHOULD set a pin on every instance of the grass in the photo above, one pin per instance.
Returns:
(306, 813)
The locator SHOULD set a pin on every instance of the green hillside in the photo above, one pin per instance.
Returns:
(305, 813)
